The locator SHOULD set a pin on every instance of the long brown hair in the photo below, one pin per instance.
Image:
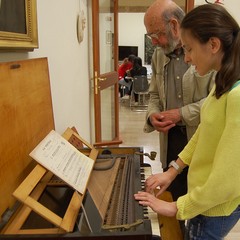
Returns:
(213, 20)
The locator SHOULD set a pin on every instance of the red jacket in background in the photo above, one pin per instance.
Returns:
(123, 68)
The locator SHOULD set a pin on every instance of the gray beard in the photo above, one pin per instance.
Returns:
(172, 45)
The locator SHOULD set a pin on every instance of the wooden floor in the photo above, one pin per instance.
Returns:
(131, 133)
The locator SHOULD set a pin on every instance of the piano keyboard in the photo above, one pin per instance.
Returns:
(148, 212)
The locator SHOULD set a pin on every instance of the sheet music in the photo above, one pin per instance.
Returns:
(61, 158)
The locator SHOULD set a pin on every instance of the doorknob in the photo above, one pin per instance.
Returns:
(96, 82)
(102, 79)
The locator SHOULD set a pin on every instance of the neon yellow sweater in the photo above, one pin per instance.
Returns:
(213, 156)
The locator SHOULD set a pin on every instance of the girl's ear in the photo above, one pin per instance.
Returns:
(175, 26)
(215, 44)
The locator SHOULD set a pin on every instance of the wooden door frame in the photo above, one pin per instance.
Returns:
(116, 91)
(189, 5)
(96, 69)
(96, 65)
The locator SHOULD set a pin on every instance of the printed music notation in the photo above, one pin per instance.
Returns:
(61, 158)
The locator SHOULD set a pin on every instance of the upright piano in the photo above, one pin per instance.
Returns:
(108, 210)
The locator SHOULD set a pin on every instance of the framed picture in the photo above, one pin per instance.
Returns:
(148, 50)
(18, 25)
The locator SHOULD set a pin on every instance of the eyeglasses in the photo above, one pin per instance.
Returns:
(156, 35)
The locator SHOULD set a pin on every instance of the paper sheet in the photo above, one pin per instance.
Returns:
(61, 158)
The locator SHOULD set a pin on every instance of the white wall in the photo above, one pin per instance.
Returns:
(106, 31)
(231, 6)
(131, 31)
(68, 62)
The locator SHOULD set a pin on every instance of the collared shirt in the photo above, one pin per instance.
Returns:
(173, 75)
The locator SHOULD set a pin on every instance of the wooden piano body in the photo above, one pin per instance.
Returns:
(26, 118)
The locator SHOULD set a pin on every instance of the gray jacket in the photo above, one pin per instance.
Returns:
(195, 89)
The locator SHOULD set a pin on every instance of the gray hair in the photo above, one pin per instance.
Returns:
(175, 12)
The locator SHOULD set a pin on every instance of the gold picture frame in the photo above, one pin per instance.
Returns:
(26, 35)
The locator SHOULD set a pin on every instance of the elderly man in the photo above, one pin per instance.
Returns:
(176, 90)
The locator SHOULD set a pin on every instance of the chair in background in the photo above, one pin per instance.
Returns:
(140, 87)
(124, 88)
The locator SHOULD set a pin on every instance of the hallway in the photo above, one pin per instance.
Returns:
(131, 133)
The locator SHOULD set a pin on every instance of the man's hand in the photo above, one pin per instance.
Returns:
(163, 121)
(171, 115)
